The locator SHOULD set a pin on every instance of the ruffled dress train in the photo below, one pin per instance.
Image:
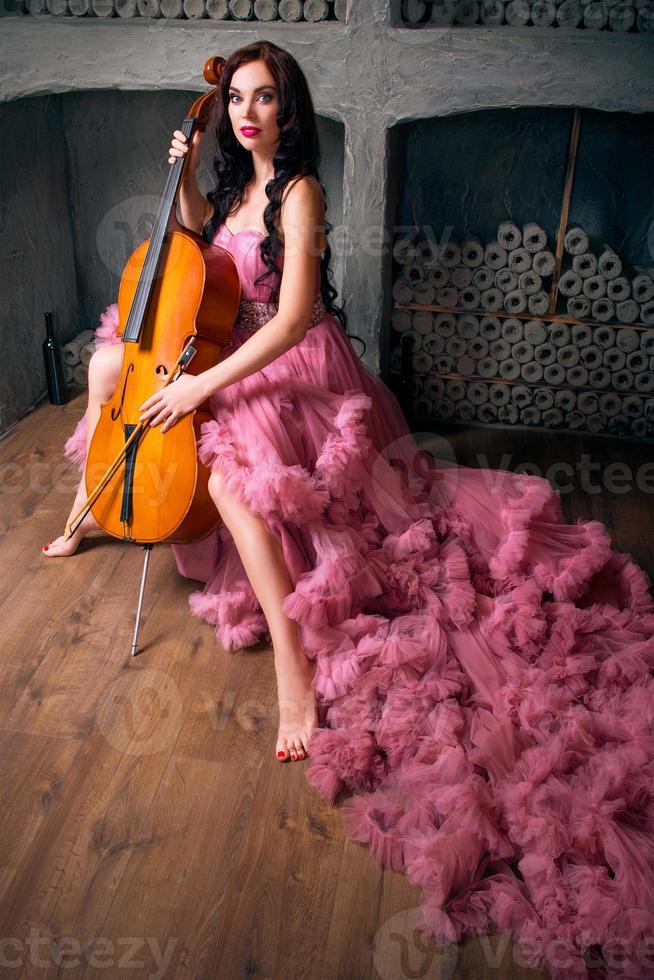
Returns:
(484, 669)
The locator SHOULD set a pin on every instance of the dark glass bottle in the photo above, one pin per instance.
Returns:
(54, 370)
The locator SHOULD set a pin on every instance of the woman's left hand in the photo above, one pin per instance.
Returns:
(174, 401)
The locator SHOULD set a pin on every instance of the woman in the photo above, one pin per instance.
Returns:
(486, 667)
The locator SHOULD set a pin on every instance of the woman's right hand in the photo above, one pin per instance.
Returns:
(179, 148)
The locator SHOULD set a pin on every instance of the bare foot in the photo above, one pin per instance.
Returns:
(60, 548)
(298, 714)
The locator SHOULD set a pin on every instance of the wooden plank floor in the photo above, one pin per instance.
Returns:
(149, 830)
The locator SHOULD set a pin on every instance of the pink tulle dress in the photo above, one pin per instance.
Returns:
(484, 669)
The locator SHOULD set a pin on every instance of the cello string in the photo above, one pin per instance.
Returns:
(165, 206)
(143, 290)
(142, 427)
(150, 265)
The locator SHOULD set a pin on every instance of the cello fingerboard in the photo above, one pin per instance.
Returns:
(143, 293)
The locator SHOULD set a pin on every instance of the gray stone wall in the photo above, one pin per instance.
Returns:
(37, 257)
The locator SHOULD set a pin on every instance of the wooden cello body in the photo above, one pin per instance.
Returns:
(178, 300)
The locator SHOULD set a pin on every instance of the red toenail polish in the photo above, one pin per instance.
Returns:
(280, 755)
(45, 548)
(293, 755)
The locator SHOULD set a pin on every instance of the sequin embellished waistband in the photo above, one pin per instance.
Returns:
(253, 314)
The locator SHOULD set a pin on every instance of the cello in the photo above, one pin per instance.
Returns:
(177, 304)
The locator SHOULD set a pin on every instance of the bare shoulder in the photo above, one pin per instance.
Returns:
(306, 181)
(303, 191)
(303, 196)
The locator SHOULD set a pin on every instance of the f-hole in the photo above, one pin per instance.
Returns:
(115, 412)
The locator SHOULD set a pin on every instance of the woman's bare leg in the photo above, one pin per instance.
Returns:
(263, 561)
(104, 372)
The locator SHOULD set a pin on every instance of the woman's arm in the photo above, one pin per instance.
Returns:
(301, 218)
(194, 207)
(302, 222)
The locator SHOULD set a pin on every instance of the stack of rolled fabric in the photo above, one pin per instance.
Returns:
(595, 286)
(517, 369)
(76, 356)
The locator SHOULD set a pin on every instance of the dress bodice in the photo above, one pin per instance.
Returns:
(244, 247)
(256, 307)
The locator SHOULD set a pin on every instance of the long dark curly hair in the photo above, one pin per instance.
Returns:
(298, 154)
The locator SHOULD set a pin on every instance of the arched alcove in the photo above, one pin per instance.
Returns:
(572, 348)
(85, 174)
